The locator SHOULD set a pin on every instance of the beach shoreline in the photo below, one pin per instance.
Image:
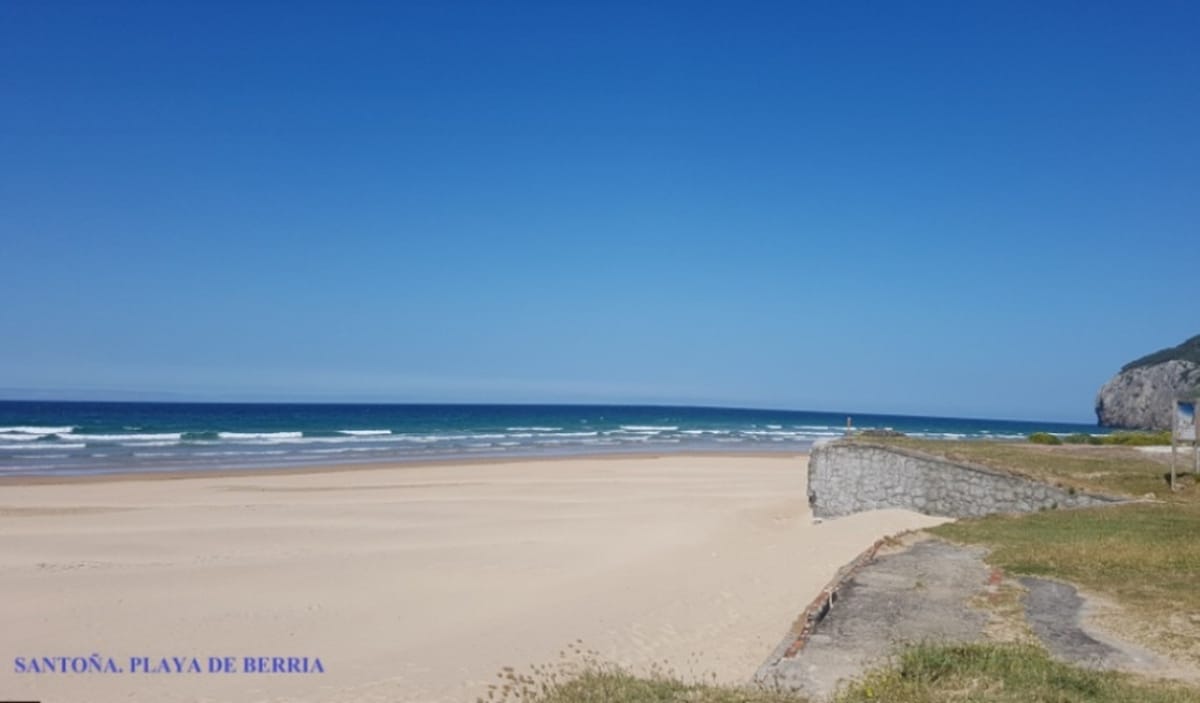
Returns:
(415, 583)
(184, 474)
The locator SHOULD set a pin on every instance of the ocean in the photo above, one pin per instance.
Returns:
(70, 438)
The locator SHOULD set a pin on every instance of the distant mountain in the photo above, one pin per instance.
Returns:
(1143, 394)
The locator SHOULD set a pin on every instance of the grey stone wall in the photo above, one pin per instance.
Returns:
(850, 477)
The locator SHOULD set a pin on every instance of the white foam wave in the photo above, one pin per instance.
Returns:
(532, 429)
(420, 439)
(37, 429)
(260, 435)
(43, 445)
(649, 428)
(430, 438)
(148, 437)
(17, 437)
(365, 433)
(341, 450)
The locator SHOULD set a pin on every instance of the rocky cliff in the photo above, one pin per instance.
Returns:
(1142, 395)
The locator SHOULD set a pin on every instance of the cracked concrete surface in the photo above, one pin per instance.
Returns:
(924, 593)
(918, 594)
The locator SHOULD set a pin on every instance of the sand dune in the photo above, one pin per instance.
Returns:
(412, 584)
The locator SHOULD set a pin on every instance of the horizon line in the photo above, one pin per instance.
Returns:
(664, 405)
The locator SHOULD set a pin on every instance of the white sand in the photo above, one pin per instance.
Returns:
(413, 584)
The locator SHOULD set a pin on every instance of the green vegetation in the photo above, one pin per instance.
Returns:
(1001, 674)
(581, 677)
(978, 673)
(612, 685)
(1187, 351)
(1137, 439)
(1119, 439)
(1143, 556)
(1107, 469)
(1044, 438)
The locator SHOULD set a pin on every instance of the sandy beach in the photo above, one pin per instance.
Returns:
(412, 583)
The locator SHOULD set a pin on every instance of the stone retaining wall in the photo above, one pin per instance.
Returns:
(850, 477)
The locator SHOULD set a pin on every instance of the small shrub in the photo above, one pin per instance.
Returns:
(1077, 438)
(1044, 438)
(1137, 439)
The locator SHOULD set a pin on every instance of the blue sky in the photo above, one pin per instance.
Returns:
(977, 209)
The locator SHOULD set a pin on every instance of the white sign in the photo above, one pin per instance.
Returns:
(1185, 421)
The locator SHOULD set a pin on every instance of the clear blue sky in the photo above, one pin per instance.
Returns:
(964, 208)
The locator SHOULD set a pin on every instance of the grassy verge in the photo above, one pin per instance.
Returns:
(610, 685)
(581, 677)
(979, 673)
(1145, 557)
(1113, 469)
(1001, 674)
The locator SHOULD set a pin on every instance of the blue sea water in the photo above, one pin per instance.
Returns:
(49, 438)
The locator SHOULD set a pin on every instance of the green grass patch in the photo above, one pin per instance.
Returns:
(615, 686)
(1145, 557)
(582, 678)
(1044, 438)
(1138, 552)
(1120, 439)
(1108, 469)
(927, 673)
(1133, 439)
(1001, 674)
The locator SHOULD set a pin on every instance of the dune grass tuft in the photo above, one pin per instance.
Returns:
(1001, 673)
(927, 673)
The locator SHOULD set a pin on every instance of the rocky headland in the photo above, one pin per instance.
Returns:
(1141, 396)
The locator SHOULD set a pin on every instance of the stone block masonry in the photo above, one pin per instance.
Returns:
(846, 477)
